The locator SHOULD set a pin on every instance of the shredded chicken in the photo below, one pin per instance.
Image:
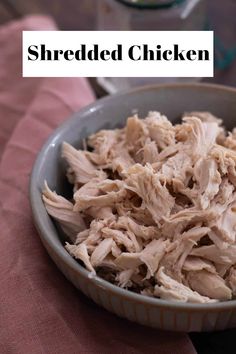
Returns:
(154, 207)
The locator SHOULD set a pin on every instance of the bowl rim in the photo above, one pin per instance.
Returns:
(60, 250)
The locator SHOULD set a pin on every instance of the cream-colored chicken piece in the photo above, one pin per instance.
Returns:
(222, 269)
(154, 207)
(128, 260)
(108, 185)
(179, 250)
(230, 140)
(225, 192)
(120, 238)
(177, 166)
(94, 235)
(123, 278)
(176, 223)
(82, 236)
(226, 225)
(209, 284)
(217, 255)
(136, 135)
(81, 169)
(140, 215)
(189, 239)
(80, 252)
(208, 181)
(108, 263)
(226, 159)
(155, 196)
(202, 137)
(121, 160)
(150, 152)
(170, 289)
(102, 142)
(160, 130)
(223, 199)
(90, 195)
(101, 251)
(231, 280)
(100, 213)
(206, 117)
(115, 250)
(137, 243)
(217, 239)
(152, 255)
(62, 210)
(168, 152)
(193, 263)
(147, 292)
(144, 232)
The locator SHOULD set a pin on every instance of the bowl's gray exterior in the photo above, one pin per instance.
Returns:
(111, 112)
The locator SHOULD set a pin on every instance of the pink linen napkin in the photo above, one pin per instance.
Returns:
(40, 311)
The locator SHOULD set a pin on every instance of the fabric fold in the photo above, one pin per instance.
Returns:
(40, 311)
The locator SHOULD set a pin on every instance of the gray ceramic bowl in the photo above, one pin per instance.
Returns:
(111, 112)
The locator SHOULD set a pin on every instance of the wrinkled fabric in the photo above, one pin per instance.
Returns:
(40, 311)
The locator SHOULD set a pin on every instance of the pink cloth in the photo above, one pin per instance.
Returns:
(40, 311)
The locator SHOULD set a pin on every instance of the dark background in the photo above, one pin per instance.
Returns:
(81, 15)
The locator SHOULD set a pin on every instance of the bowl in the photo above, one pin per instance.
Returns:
(111, 112)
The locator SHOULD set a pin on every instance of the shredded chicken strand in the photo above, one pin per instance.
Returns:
(154, 207)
